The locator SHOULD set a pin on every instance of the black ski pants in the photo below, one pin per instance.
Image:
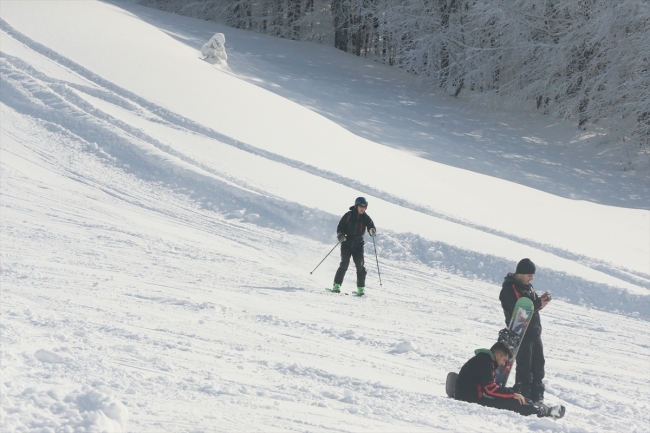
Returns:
(356, 252)
(530, 367)
(509, 404)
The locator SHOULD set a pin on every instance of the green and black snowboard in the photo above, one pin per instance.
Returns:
(521, 316)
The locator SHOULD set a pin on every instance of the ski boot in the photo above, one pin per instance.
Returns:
(360, 291)
(336, 288)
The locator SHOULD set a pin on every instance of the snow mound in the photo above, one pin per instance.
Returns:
(404, 346)
(48, 357)
(89, 409)
(547, 425)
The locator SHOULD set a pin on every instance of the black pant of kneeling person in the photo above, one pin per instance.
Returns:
(476, 384)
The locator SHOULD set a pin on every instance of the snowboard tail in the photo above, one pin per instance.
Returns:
(451, 384)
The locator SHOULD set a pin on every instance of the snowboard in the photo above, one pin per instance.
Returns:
(451, 384)
(513, 335)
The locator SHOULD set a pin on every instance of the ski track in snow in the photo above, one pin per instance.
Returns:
(131, 283)
(121, 97)
(58, 98)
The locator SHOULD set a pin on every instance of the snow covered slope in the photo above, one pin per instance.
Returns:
(160, 216)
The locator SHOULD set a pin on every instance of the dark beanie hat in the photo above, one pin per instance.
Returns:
(525, 266)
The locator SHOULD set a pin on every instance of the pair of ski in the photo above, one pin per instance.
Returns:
(353, 293)
(511, 336)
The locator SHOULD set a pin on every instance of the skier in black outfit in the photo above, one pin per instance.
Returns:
(530, 357)
(350, 233)
(476, 384)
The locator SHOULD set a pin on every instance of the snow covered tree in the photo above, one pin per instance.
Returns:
(215, 49)
(584, 60)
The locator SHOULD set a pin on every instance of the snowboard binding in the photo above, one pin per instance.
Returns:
(555, 412)
(509, 338)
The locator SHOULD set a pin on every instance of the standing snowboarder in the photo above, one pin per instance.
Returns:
(350, 233)
(530, 358)
(476, 384)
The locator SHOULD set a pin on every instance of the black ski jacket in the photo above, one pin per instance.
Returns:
(511, 291)
(354, 226)
(476, 379)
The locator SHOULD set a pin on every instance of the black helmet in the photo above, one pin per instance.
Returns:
(361, 201)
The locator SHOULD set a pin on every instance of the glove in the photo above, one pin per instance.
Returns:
(342, 237)
(372, 232)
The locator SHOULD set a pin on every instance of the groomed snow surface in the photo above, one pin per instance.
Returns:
(161, 215)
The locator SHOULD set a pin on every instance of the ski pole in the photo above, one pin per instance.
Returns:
(325, 257)
(373, 242)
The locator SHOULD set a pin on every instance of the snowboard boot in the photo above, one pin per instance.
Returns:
(336, 288)
(360, 291)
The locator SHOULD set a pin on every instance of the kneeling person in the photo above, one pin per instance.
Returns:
(476, 384)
